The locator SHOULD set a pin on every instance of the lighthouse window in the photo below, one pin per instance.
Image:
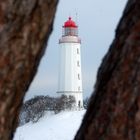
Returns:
(77, 51)
(70, 31)
(67, 31)
(79, 88)
(79, 104)
(78, 64)
(78, 76)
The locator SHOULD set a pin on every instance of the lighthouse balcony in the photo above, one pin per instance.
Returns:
(69, 92)
(70, 39)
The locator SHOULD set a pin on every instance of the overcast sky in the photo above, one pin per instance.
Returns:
(97, 21)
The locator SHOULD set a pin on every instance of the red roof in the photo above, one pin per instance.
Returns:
(70, 23)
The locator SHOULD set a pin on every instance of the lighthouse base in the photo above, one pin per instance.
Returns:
(77, 95)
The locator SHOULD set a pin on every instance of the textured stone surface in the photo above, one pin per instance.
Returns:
(25, 26)
(114, 109)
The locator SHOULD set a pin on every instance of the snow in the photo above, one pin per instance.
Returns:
(61, 126)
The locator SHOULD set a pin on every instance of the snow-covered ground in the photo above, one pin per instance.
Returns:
(62, 126)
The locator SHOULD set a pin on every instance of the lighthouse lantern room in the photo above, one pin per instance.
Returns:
(70, 76)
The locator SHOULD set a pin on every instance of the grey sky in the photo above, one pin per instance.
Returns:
(97, 21)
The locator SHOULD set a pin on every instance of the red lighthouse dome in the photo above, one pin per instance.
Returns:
(70, 28)
(70, 32)
(70, 23)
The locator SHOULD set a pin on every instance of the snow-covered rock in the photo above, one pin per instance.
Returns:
(61, 126)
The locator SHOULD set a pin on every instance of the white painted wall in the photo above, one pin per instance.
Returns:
(69, 68)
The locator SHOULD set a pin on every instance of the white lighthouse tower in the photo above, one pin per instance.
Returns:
(70, 77)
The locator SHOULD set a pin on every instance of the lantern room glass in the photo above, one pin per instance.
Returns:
(69, 31)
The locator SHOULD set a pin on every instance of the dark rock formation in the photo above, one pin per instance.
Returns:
(114, 109)
(25, 26)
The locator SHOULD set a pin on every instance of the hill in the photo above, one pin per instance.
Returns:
(61, 126)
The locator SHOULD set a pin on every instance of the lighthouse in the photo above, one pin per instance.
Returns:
(70, 76)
